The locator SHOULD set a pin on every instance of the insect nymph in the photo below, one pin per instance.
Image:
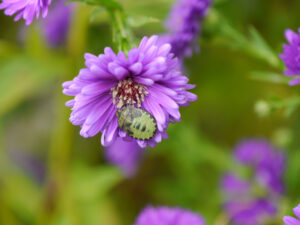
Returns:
(136, 122)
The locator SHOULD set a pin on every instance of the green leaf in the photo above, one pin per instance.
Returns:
(95, 13)
(270, 77)
(121, 32)
(254, 45)
(262, 49)
(141, 21)
(109, 4)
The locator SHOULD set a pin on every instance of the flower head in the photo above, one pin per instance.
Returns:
(291, 55)
(168, 216)
(251, 202)
(28, 9)
(147, 79)
(267, 162)
(55, 27)
(288, 220)
(126, 155)
(183, 25)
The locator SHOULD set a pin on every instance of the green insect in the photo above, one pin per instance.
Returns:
(137, 123)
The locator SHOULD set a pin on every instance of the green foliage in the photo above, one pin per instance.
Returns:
(90, 184)
(121, 32)
(19, 81)
(290, 105)
(254, 44)
(270, 77)
(141, 21)
(108, 4)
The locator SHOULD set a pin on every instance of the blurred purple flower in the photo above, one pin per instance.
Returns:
(183, 25)
(268, 163)
(250, 202)
(235, 185)
(28, 9)
(30, 164)
(56, 26)
(251, 212)
(291, 55)
(168, 216)
(126, 155)
(288, 220)
(148, 78)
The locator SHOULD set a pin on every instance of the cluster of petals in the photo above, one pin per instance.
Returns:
(291, 55)
(126, 155)
(168, 216)
(253, 201)
(288, 220)
(267, 162)
(26, 9)
(184, 24)
(151, 66)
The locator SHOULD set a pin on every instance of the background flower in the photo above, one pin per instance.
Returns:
(168, 216)
(126, 155)
(56, 26)
(251, 202)
(288, 220)
(267, 162)
(184, 24)
(291, 55)
(148, 78)
(28, 9)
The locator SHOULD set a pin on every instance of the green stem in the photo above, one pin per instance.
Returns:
(120, 30)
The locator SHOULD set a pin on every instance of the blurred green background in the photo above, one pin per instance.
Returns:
(49, 174)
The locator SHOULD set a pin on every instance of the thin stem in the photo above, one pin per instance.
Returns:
(120, 30)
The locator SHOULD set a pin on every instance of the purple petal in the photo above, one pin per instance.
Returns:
(288, 220)
(126, 155)
(296, 211)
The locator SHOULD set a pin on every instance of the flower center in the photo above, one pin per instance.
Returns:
(128, 92)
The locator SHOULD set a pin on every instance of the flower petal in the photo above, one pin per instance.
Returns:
(288, 220)
(296, 211)
(110, 133)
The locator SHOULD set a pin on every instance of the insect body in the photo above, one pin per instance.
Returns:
(136, 122)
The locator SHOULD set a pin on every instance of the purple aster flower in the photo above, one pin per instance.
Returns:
(56, 26)
(146, 79)
(251, 212)
(168, 216)
(126, 155)
(251, 202)
(288, 220)
(268, 163)
(291, 55)
(28, 9)
(183, 25)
